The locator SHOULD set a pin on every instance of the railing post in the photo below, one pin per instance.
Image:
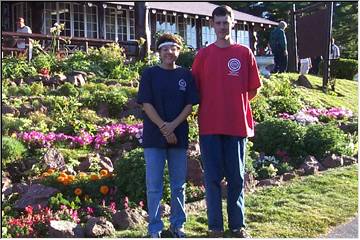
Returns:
(87, 47)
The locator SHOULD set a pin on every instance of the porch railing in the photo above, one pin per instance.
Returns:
(68, 44)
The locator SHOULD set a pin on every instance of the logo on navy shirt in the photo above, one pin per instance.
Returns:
(234, 66)
(182, 85)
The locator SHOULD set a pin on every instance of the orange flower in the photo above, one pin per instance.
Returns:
(78, 191)
(60, 179)
(104, 189)
(104, 172)
(50, 171)
(63, 174)
(82, 174)
(94, 177)
(71, 178)
(45, 174)
(66, 182)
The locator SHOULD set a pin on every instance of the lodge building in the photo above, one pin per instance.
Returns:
(116, 20)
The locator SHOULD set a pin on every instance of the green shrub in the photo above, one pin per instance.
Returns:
(267, 172)
(12, 150)
(12, 124)
(289, 104)
(15, 68)
(274, 134)
(186, 58)
(67, 89)
(130, 176)
(44, 61)
(79, 61)
(260, 108)
(342, 68)
(37, 89)
(321, 140)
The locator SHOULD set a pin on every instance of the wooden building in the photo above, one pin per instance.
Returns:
(116, 20)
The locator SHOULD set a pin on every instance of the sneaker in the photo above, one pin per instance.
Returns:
(215, 234)
(178, 232)
(155, 235)
(240, 233)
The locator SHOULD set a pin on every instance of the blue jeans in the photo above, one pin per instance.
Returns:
(224, 156)
(177, 165)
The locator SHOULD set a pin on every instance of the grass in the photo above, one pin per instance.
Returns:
(304, 207)
(345, 95)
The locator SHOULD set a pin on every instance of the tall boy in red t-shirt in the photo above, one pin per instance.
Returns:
(227, 77)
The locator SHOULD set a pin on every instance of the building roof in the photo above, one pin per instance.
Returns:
(199, 8)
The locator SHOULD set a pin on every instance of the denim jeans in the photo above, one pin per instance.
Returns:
(177, 165)
(224, 156)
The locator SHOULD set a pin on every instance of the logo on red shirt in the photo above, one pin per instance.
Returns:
(234, 66)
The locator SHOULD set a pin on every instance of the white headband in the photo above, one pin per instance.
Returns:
(169, 44)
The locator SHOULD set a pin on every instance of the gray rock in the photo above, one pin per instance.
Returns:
(54, 159)
(303, 81)
(77, 78)
(288, 176)
(332, 161)
(59, 78)
(268, 182)
(25, 109)
(165, 210)
(65, 229)
(103, 109)
(36, 195)
(99, 227)
(128, 219)
(5, 109)
(194, 171)
(106, 163)
(195, 207)
(250, 182)
(349, 160)
(311, 166)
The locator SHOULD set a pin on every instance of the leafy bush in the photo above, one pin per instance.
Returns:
(342, 68)
(289, 104)
(12, 124)
(274, 135)
(130, 176)
(267, 171)
(15, 68)
(321, 140)
(37, 89)
(186, 58)
(67, 89)
(77, 61)
(44, 61)
(12, 150)
(260, 108)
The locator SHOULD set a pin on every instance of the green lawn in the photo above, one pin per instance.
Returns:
(304, 207)
(345, 95)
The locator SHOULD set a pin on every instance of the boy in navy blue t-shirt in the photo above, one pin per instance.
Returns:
(167, 93)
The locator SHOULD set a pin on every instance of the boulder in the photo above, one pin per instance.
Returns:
(332, 161)
(54, 159)
(195, 207)
(195, 172)
(288, 176)
(165, 210)
(303, 81)
(65, 229)
(25, 109)
(106, 163)
(99, 227)
(77, 78)
(250, 182)
(37, 194)
(103, 109)
(5, 109)
(311, 166)
(269, 182)
(128, 218)
(349, 160)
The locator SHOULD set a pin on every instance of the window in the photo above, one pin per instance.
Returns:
(208, 33)
(21, 10)
(243, 34)
(80, 20)
(190, 32)
(166, 23)
(119, 24)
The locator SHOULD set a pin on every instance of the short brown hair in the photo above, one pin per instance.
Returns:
(168, 37)
(223, 10)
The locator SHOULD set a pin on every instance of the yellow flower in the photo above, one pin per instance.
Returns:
(82, 175)
(60, 179)
(50, 171)
(104, 173)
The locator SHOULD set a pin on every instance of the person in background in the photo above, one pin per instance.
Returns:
(278, 44)
(334, 50)
(167, 93)
(20, 42)
(227, 77)
(305, 65)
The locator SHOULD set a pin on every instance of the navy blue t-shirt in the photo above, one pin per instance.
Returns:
(168, 91)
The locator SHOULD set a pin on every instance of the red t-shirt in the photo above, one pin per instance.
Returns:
(224, 76)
